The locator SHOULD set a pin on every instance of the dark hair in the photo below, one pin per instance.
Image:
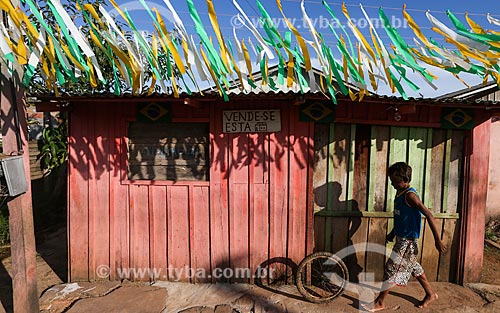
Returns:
(400, 170)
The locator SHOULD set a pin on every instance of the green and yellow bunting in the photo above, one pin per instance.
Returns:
(64, 53)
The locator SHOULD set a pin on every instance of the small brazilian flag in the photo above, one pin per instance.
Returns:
(154, 112)
(455, 118)
(316, 111)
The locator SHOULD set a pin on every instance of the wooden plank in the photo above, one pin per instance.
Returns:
(238, 228)
(435, 190)
(321, 159)
(99, 193)
(119, 200)
(379, 149)
(361, 167)
(298, 197)
(398, 152)
(200, 244)
(259, 226)
(239, 161)
(447, 261)
(455, 171)
(329, 186)
(219, 215)
(377, 229)
(338, 172)
(279, 164)
(350, 168)
(78, 174)
(358, 235)
(158, 228)
(339, 234)
(446, 171)
(429, 253)
(21, 225)
(310, 194)
(417, 144)
(178, 232)
(259, 200)
(139, 229)
(319, 233)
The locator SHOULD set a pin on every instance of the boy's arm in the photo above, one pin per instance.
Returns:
(415, 202)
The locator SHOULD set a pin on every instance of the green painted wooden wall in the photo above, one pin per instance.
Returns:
(353, 199)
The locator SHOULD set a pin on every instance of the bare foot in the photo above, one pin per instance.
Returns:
(373, 307)
(428, 299)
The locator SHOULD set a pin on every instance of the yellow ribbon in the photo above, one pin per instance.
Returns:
(300, 40)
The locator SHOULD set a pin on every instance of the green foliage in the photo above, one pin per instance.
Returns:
(54, 148)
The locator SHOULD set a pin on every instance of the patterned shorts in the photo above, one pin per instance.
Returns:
(403, 262)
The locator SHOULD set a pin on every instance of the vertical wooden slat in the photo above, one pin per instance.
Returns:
(379, 150)
(320, 173)
(350, 168)
(398, 152)
(429, 253)
(319, 233)
(200, 244)
(435, 190)
(279, 158)
(361, 168)
(456, 154)
(219, 219)
(139, 230)
(92, 205)
(427, 169)
(358, 229)
(178, 231)
(259, 229)
(339, 235)
(78, 197)
(446, 171)
(259, 200)
(238, 198)
(158, 226)
(299, 164)
(447, 261)
(338, 173)
(99, 194)
(376, 235)
(417, 144)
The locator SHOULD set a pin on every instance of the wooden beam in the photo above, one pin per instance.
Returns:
(22, 237)
(472, 232)
(21, 228)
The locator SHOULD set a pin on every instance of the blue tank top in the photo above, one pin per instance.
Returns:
(407, 220)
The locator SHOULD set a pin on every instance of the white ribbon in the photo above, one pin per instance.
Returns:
(457, 37)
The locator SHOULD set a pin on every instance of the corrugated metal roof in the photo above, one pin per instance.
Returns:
(210, 96)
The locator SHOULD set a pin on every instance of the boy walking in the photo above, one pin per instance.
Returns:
(408, 211)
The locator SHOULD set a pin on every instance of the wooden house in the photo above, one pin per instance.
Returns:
(475, 94)
(199, 183)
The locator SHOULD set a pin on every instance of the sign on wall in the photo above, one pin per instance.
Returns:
(251, 121)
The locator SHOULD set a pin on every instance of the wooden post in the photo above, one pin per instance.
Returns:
(473, 215)
(22, 235)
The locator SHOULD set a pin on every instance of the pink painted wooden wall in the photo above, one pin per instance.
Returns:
(253, 209)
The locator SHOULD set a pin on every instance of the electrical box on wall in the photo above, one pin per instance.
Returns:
(12, 175)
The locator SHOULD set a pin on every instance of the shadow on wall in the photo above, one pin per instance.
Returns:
(328, 196)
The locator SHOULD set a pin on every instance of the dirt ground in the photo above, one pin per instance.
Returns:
(52, 262)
